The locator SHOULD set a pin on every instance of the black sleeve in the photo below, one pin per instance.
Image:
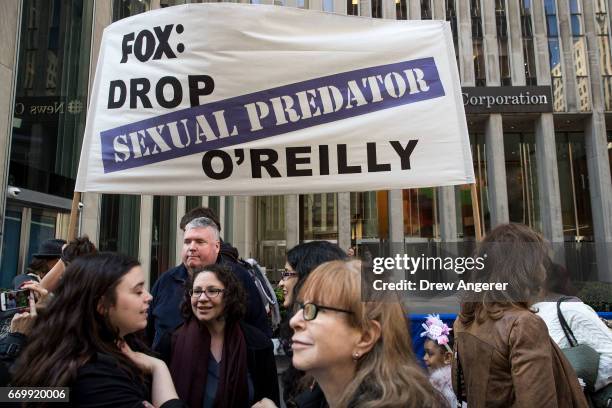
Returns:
(265, 377)
(107, 386)
(164, 348)
(10, 348)
(175, 403)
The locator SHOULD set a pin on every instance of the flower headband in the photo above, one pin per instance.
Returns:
(436, 330)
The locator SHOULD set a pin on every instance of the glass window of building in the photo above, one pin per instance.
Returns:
(228, 219)
(192, 202)
(376, 8)
(51, 95)
(10, 247)
(574, 186)
(119, 223)
(120, 214)
(420, 213)
(214, 203)
(271, 234)
(580, 56)
(352, 7)
(463, 197)
(401, 12)
(170, 3)
(369, 217)
(127, 8)
(319, 217)
(163, 236)
(610, 150)
(328, 5)
(426, 10)
(451, 17)
(501, 24)
(522, 179)
(478, 50)
(554, 51)
(602, 26)
(528, 50)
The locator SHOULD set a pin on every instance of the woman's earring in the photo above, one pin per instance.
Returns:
(355, 356)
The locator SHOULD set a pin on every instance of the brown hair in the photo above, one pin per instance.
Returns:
(513, 254)
(199, 212)
(387, 375)
(234, 296)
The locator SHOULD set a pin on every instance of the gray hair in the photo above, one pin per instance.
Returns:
(203, 222)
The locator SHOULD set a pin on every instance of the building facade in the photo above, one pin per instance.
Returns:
(537, 78)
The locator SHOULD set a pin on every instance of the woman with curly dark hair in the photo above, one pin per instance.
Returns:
(217, 360)
(84, 339)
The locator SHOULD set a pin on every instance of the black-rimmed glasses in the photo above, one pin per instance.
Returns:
(211, 293)
(310, 310)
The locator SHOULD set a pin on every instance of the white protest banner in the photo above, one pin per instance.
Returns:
(230, 99)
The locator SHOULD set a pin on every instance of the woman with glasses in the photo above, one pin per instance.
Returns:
(215, 359)
(301, 260)
(358, 352)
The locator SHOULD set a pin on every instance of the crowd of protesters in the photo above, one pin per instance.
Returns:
(201, 338)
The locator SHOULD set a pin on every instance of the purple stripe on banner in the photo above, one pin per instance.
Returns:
(269, 113)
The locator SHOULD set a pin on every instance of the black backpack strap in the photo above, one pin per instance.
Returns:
(569, 335)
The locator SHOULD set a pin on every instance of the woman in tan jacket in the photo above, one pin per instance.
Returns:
(504, 356)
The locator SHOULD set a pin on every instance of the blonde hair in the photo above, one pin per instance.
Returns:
(388, 375)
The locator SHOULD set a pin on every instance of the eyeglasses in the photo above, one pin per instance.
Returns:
(288, 274)
(211, 293)
(310, 310)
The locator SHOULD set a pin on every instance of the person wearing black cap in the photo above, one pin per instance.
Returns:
(49, 252)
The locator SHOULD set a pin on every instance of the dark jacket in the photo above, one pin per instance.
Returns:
(169, 290)
(309, 399)
(10, 348)
(260, 361)
(512, 362)
(101, 383)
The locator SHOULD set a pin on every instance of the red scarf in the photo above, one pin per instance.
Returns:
(189, 365)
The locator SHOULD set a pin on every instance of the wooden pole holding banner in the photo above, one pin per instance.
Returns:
(476, 212)
(74, 215)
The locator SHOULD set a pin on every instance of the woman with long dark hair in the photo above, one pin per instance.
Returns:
(217, 360)
(504, 356)
(84, 338)
(301, 260)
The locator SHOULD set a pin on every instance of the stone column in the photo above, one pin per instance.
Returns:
(344, 220)
(146, 232)
(515, 43)
(598, 164)
(103, 15)
(496, 170)
(548, 178)
(10, 17)
(567, 55)
(181, 206)
(292, 220)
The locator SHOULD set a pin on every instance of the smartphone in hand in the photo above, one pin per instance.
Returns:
(14, 300)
